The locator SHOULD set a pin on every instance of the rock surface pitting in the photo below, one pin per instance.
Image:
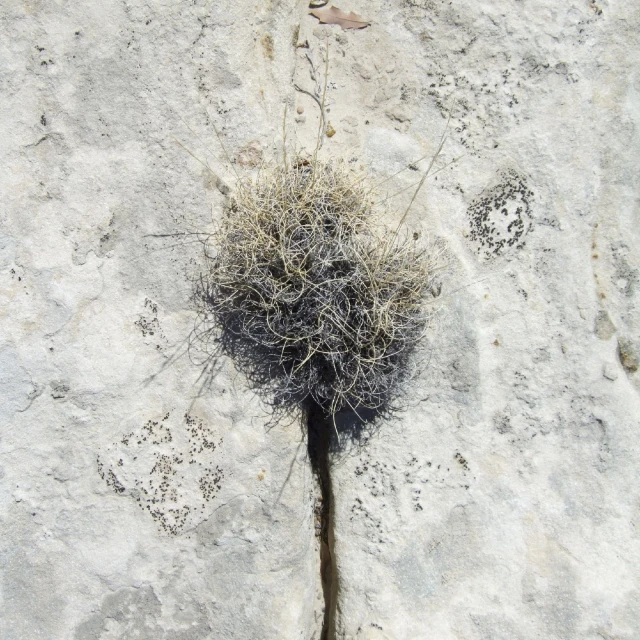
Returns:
(501, 503)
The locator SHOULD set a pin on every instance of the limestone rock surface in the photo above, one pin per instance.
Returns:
(147, 492)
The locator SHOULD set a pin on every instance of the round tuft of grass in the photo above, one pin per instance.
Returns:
(315, 300)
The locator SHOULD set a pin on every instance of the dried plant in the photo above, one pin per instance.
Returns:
(313, 299)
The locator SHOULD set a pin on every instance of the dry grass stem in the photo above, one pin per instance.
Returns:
(307, 296)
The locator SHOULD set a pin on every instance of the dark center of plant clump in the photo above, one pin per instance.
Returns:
(309, 300)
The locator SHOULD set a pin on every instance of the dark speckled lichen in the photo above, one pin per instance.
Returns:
(500, 217)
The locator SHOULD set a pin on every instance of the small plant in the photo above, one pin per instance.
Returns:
(315, 301)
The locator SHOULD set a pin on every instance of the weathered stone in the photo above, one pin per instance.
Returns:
(148, 492)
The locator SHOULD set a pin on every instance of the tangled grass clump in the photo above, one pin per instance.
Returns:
(313, 303)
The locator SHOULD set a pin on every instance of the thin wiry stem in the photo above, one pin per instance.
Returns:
(306, 297)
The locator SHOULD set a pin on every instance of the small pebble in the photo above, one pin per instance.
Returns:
(300, 109)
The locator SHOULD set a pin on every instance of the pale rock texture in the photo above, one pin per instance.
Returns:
(144, 495)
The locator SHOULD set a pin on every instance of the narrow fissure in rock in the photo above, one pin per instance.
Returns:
(319, 440)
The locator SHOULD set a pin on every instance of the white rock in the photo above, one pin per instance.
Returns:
(501, 503)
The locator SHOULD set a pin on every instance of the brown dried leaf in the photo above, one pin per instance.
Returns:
(333, 15)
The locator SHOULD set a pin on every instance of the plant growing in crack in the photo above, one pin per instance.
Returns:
(319, 304)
